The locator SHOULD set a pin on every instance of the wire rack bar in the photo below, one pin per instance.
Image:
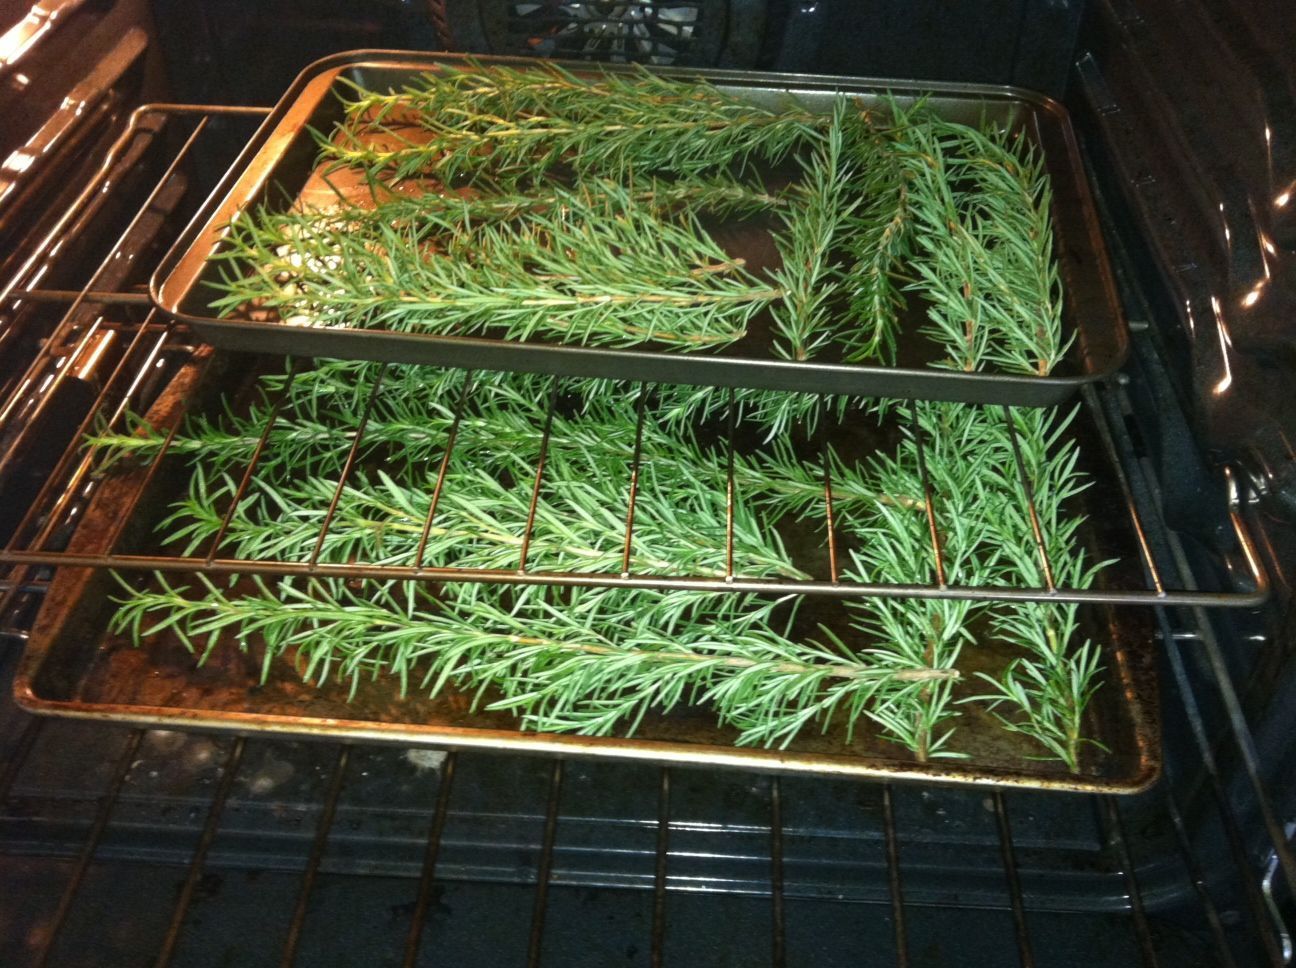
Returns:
(658, 940)
(929, 504)
(431, 852)
(730, 489)
(1116, 832)
(1192, 868)
(631, 499)
(538, 484)
(243, 566)
(318, 845)
(349, 466)
(246, 479)
(540, 906)
(451, 438)
(199, 861)
(103, 814)
(778, 942)
(830, 518)
(1032, 508)
(894, 883)
(1012, 875)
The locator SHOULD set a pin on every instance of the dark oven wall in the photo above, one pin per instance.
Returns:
(238, 51)
(1190, 110)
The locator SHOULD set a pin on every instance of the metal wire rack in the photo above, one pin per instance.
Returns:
(139, 350)
(1139, 890)
(40, 536)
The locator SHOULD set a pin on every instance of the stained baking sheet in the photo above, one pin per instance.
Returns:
(280, 163)
(73, 666)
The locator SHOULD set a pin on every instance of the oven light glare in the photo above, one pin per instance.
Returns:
(1251, 298)
(1226, 344)
(1282, 199)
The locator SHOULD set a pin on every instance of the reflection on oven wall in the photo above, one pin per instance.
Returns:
(248, 52)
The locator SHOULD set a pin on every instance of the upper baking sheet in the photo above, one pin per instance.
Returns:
(280, 164)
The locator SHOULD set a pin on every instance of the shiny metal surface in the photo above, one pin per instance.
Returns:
(19, 169)
(44, 15)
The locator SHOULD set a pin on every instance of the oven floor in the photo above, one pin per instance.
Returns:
(98, 879)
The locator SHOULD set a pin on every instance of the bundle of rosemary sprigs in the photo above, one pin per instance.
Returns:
(529, 203)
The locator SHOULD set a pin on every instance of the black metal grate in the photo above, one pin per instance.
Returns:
(130, 847)
(640, 31)
(570, 879)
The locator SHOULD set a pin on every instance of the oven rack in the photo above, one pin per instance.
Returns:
(40, 538)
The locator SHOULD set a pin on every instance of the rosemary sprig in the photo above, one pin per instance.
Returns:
(980, 203)
(878, 239)
(812, 228)
(559, 669)
(600, 270)
(520, 124)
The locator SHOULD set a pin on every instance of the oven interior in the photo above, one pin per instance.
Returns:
(122, 846)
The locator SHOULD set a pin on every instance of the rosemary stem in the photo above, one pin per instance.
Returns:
(732, 662)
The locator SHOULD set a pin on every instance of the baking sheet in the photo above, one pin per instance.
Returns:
(280, 161)
(73, 667)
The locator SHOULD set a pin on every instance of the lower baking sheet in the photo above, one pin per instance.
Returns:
(73, 666)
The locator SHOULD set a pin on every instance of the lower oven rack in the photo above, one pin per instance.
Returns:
(1156, 881)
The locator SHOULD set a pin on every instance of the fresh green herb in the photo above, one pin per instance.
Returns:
(561, 669)
(878, 237)
(520, 124)
(812, 227)
(600, 270)
(980, 204)
(880, 502)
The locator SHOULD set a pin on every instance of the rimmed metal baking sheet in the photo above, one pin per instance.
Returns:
(72, 666)
(281, 159)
